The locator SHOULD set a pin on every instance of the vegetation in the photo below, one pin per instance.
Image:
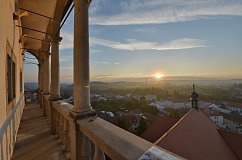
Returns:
(142, 126)
(125, 105)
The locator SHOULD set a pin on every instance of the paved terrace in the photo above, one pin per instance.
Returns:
(34, 140)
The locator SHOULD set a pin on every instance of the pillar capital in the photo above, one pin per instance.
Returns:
(46, 55)
(55, 22)
(87, 1)
(54, 97)
(55, 39)
(40, 61)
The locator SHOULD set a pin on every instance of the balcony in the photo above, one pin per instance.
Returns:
(89, 138)
(53, 129)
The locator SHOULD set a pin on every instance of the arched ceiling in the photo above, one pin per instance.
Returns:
(36, 30)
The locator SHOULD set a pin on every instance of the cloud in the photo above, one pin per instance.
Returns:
(65, 59)
(97, 6)
(134, 45)
(104, 76)
(104, 62)
(67, 41)
(119, 77)
(138, 12)
(142, 30)
(99, 62)
(67, 68)
(94, 51)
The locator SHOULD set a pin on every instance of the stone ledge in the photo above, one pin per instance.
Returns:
(117, 143)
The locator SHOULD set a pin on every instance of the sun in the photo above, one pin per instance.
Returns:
(158, 75)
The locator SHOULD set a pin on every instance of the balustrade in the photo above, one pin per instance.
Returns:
(97, 136)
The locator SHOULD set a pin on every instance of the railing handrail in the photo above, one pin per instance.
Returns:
(62, 107)
(118, 143)
(9, 118)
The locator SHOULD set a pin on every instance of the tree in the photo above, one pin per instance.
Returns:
(142, 126)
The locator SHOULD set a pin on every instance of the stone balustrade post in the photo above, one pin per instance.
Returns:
(98, 155)
(57, 123)
(61, 128)
(66, 135)
(52, 119)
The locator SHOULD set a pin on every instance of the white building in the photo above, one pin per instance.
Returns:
(160, 105)
(118, 97)
(218, 120)
(150, 97)
(234, 107)
(109, 113)
(217, 107)
(233, 126)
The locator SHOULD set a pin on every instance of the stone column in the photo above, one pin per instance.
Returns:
(40, 76)
(81, 58)
(82, 107)
(40, 80)
(46, 74)
(55, 68)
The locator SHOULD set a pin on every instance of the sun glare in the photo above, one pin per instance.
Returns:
(158, 75)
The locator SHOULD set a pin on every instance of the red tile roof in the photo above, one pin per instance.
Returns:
(234, 141)
(195, 137)
(234, 104)
(158, 127)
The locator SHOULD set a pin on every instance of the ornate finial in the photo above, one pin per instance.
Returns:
(194, 98)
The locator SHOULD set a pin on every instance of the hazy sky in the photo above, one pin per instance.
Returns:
(139, 38)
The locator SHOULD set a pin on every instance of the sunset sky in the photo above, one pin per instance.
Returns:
(142, 38)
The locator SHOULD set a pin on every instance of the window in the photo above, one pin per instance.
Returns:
(21, 81)
(11, 79)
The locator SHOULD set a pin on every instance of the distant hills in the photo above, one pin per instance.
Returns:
(151, 82)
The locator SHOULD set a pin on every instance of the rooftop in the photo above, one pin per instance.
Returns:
(195, 137)
(234, 141)
(158, 127)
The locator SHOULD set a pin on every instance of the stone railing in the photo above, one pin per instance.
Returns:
(60, 123)
(57, 113)
(9, 129)
(94, 138)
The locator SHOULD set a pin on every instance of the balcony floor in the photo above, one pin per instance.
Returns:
(34, 140)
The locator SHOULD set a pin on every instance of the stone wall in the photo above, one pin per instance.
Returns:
(9, 45)
(9, 41)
